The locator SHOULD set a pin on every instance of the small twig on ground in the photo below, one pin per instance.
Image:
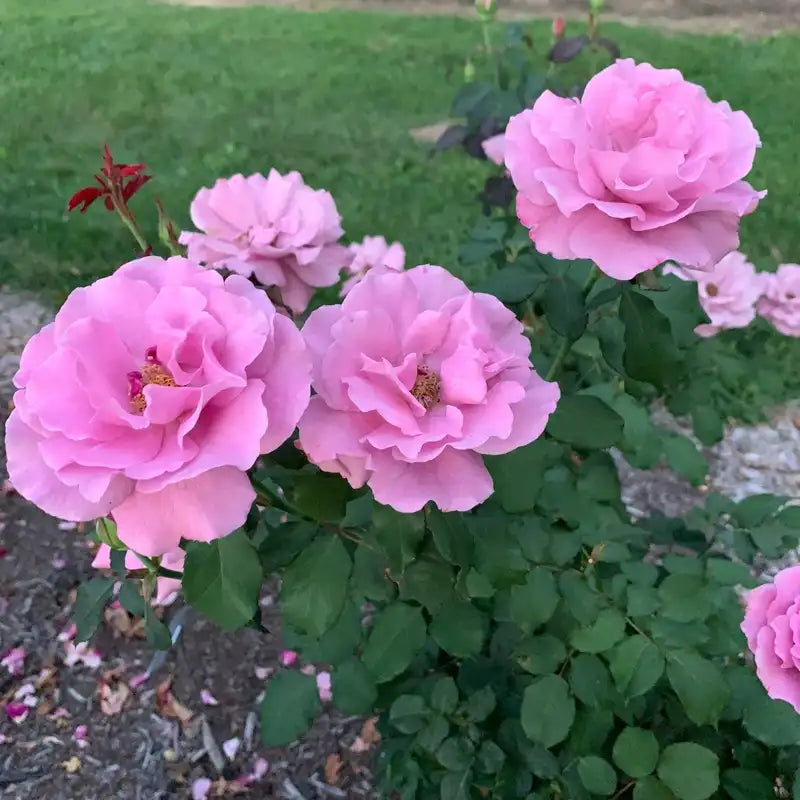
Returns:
(292, 792)
(211, 746)
(325, 788)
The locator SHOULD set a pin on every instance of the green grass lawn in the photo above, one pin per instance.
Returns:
(199, 93)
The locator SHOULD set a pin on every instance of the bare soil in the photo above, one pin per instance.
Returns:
(745, 17)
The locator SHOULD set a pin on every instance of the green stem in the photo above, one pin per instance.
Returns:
(134, 229)
(155, 567)
(566, 345)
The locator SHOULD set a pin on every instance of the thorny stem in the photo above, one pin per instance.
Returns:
(131, 225)
(566, 345)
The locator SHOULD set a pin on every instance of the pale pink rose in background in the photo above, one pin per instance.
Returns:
(149, 396)
(167, 589)
(373, 254)
(772, 627)
(277, 229)
(780, 301)
(728, 292)
(417, 377)
(495, 148)
(645, 168)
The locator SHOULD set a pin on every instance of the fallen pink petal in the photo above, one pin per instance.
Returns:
(17, 712)
(231, 747)
(68, 634)
(324, 687)
(137, 680)
(200, 788)
(13, 660)
(287, 658)
(208, 698)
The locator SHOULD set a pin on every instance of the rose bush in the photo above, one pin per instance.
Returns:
(447, 525)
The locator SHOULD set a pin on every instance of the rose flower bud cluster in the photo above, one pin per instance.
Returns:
(149, 396)
(416, 378)
(643, 169)
(276, 229)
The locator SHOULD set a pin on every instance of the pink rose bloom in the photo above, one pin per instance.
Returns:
(276, 229)
(495, 148)
(416, 378)
(166, 588)
(376, 254)
(149, 396)
(780, 302)
(645, 168)
(772, 627)
(728, 292)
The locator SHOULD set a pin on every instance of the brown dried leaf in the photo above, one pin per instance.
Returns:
(119, 621)
(333, 766)
(369, 731)
(168, 706)
(113, 697)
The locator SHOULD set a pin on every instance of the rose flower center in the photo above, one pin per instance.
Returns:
(712, 290)
(152, 372)
(426, 388)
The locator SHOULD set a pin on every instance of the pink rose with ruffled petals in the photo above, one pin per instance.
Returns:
(728, 292)
(780, 302)
(495, 148)
(772, 627)
(645, 168)
(374, 254)
(166, 588)
(149, 396)
(277, 229)
(416, 378)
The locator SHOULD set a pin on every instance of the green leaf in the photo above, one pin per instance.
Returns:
(490, 758)
(459, 628)
(708, 424)
(352, 687)
(477, 585)
(480, 704)
(650, 353)
(158, 635)
(548, 711)
(699, 684)
(455, 785)
(642, 600)
(223, 579)
(290, 704)
(590, 681)
(651, 789)
(398, 534)
(684, 598)
(444, 695)
(746, 784)
(597, 775)
(636, 665)
(729, 573)
(471, 97)
(314, 586)
(279, 546)
(130, 598)
(685, 459)
(428, 582)
(585, 421)
(408, 713)
(541, 655)
(756, 509)
(369, 575)
(590, 731)
(322, 496)
(358, 512)
(512, 284)
(92, 598)
(453, 539)
(518, 475)
(533, 603)
(636, 752)
(581, 600)
(117, 561)
(602, 634)
(433, 733)
(690, 771)
(564, 307)
(455, 753)
(397, 636)
(773, 722)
